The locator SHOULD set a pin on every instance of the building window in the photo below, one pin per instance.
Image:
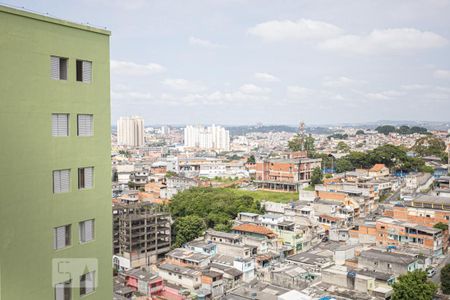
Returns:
(389, 266)
(87, 283)
(63, 291)
(85, 178)
(61, 237)
(84, 71)
(58, 67)
(61, 181)
(85, 125)
(86, 231)
(60, 124)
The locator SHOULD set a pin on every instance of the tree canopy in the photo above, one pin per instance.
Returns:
(413, 286)
(213, 205)
(342, 147)
(386, 129)
(316, 177)
(394, 157)
(445, 279)
(187, 228)
(251, 159)
(297, 144)
(431, 146)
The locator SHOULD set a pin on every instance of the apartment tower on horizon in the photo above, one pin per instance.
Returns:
(130, 131)
(55, 214)
(212, 137)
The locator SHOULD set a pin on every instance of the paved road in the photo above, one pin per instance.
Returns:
(394, 196)
(437, 277)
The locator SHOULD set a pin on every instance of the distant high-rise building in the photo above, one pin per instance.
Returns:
(130, 131)
(165, 130)
(212, 137)
(55, 237)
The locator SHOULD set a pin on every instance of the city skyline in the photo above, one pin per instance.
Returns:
(238, 59)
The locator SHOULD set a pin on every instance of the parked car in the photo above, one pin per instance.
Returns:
(431, 272)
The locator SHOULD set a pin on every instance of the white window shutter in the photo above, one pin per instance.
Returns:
(60, 124)
(59, 291)
(88, 177)
(54, 62)
(54, 125)
(85, 125)
(87, 71)
(63, 124)
(90, 282)
(56, 182)
(60, 237)
(89, 230)
(65, 180)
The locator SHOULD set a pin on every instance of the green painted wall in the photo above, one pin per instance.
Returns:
(28, 153)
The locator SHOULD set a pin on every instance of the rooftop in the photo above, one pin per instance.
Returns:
(179, 270)
(222, 234)
(391, 257)
(52, 20)
(181, 253)
(252, 228)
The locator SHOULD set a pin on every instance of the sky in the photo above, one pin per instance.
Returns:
(237, 62)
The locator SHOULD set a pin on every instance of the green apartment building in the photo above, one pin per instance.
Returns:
(55, 210)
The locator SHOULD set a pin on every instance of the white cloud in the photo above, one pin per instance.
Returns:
(396, 40)
(134, 69)
(180, 84)
(124, 95)
(299, 92)
(385, 95)
(253, 89)
(266, 77)
(302, 29)
(442, 74)
(341, 82)
(412, 87)
(203, 43)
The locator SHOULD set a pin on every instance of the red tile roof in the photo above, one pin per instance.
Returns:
(252, 228)
(377, 168)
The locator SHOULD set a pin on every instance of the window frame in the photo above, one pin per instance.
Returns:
(83, 289)
(57, 127)
(61, 191)
(91, 128)
(67, 237)
(80, 69)
(67, 287)
(82, 223)
(82, 178)
(63, 68)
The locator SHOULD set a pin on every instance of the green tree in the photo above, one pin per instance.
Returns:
(343, 165)
(297, 144)
(386, 129)
(251, 159)
(170, 174)
(342, 147)
(413, 286)
(441, 226)
(187, 228)
(223, 227)
(360, 132)
(213, 205)
(316, 177)
(429, 145)
(445, 279)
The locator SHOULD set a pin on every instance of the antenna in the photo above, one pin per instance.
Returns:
(301, 135)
